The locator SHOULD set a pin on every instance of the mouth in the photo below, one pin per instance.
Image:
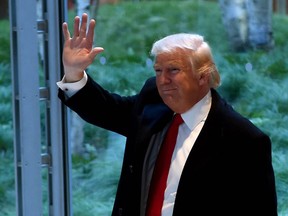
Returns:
(168, 90)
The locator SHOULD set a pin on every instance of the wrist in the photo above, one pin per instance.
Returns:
(73, 77)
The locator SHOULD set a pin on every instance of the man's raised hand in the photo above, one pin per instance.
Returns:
(78, 51)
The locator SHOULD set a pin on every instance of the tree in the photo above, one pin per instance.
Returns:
(248, 23)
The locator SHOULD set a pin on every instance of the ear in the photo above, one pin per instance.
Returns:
(203, 79)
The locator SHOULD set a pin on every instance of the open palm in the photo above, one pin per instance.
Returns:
(78, 52)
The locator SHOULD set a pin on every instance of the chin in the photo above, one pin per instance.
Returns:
(172, 106)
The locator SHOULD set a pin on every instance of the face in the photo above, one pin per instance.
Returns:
(178, 85)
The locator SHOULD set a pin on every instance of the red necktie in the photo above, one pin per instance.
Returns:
(160, 174)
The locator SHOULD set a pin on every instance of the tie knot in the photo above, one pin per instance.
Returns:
(177, 120)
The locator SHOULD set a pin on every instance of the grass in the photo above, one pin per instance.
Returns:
(127, 31)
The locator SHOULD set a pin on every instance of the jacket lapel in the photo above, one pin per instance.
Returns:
(204, 148)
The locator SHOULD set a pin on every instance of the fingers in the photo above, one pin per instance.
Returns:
(82, 37)
(83, 28)
(90, 33)
(76, 26)
(65, 31)
(82, 31)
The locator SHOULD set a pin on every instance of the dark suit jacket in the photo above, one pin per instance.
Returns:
(229, 169)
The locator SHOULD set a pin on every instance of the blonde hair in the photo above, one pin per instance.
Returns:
(198, 50)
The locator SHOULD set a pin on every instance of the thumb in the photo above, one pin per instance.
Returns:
(95, 51)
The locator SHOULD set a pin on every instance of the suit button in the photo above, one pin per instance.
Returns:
(120, 211)
(131, 168)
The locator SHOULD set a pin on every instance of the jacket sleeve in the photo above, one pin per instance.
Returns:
(99, 107)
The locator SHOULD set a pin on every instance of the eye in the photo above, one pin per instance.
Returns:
(174, 70)
(157, 71)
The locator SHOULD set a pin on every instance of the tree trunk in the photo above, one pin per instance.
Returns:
(248, 23)
(234, 18)
(260, 35)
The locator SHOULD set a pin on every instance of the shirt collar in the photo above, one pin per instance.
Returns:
(198, 112)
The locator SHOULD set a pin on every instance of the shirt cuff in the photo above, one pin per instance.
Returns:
(72, 88)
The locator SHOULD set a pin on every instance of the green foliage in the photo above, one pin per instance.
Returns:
(6, 133)
(4, 42)
(6, 137)
(280, 31)
(255, 83)
(101, 175)
(133, 29)
(7, 191)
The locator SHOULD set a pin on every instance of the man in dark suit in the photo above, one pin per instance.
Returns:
(221, 163)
